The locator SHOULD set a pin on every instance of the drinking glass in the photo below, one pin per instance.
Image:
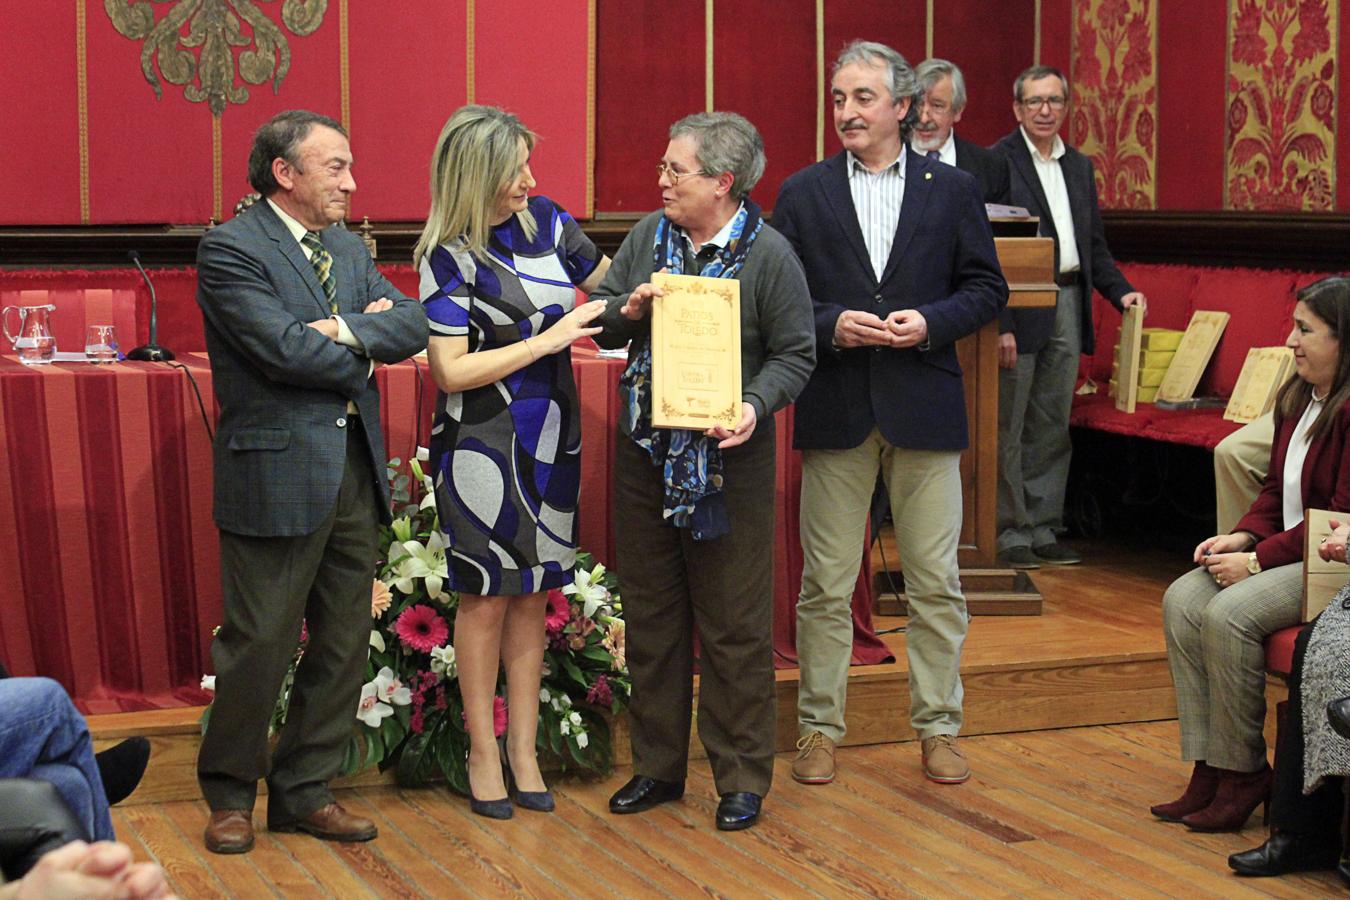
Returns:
(100, 344)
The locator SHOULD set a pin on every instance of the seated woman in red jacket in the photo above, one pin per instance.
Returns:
(1249, 583)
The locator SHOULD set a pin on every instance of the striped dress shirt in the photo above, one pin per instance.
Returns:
(876, 198)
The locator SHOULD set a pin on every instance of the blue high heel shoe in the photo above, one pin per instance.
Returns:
(535, 801)
(494, 809)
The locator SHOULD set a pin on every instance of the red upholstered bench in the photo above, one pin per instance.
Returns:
(1260, 303)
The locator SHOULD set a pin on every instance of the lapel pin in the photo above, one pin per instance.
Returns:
(927, 176)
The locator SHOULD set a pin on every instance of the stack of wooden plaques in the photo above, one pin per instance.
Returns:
(1157, 347)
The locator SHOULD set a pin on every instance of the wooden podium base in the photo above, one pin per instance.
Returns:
(989, 592)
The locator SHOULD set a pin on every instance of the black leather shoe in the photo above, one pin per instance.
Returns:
(1283, 853)
(1338, 713)
(642, 793)
(739, 809)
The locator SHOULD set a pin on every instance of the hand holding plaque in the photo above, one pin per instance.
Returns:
(696, 352)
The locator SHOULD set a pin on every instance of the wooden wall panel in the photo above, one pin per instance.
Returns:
(394, 132)
(530, 57)
(649, 72)
(40, 111)
(777, 92)
(990, 51)
(1191, 48)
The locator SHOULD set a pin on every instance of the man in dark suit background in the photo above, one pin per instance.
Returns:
(944, 99)
(1039, 348)
(900, 262)
(296, 317)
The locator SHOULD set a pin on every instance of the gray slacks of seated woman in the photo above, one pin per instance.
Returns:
(1215, 651)
(673, 584)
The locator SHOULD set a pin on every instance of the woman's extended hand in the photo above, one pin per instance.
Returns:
(574, 325)
(734, 437)
(1222, 543)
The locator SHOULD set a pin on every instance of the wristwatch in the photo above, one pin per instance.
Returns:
(1252, 565)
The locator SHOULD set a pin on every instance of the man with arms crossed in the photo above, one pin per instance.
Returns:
(296, 318)
(900, 262)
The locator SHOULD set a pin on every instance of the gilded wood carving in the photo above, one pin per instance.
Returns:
(203, 59)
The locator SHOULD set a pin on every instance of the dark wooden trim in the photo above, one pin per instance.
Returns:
(1310, 241)
(1315, 242)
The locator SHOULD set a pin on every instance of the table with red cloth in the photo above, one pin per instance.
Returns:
(112, 574)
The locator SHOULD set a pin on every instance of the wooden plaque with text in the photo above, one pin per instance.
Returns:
(696, 352)
(1127, 359)
(1193, 355)
(1263, 374)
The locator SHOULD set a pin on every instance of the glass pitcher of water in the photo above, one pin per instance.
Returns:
(34, 343)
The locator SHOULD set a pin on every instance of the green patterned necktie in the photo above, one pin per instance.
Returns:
(322, 262)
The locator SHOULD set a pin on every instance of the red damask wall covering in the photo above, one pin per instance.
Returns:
(1202, 104)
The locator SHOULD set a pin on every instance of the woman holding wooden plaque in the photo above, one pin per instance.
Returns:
(694, 506)
(1250, 582)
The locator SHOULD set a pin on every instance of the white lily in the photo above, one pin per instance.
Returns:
(587, 586)
(425, 561)
(377, 640)
(402, 528)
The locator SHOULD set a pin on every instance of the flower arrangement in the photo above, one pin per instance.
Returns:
(410, 715)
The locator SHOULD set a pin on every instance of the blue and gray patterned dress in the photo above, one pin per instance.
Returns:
(506, 457)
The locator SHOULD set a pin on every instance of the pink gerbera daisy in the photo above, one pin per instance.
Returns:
(498, 717)
(421, 629)
(559, 612)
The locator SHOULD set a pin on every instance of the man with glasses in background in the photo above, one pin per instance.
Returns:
(1039, 348)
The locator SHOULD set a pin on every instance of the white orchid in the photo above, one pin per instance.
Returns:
(586, 585)
(443, 661)
(425, 561)
(377, 639)
(390, 689)
(370, 710)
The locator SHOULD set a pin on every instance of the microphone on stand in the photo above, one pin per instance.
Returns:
(150, 352)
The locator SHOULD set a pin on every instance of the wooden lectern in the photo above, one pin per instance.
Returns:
(1029, 266)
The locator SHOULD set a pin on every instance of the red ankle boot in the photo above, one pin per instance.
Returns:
(1199, 794)
(1238, 796)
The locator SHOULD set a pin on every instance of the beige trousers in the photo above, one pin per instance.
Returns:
(925, 493)
(1240, 463)
(1214, 648)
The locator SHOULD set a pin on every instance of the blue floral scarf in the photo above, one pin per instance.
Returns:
(691, 462)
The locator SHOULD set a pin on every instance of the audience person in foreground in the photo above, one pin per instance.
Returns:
(1249, 582)
(498, 269)
(1313, 756)
(934, 135)
(1039, 348)
(694, 512)
(900, 262)
(296, 318)
(81, 871)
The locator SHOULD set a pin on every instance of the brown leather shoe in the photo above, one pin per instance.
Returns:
(942, 762)
(230, 831)
(815, 759)
(331, 823)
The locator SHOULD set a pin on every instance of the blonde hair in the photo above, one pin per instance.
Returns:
(476, 156)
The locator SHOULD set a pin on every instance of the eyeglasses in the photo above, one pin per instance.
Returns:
(1034, 103)
(666, 170)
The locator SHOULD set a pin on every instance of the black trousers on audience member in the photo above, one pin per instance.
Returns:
(1318, 813)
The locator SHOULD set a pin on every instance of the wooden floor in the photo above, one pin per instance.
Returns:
(1052, 810)
(1052, 813)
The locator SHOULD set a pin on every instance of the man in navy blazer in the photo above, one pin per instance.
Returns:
(296, 316)
(944, 99)
(900, 262)
(1039, 348)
